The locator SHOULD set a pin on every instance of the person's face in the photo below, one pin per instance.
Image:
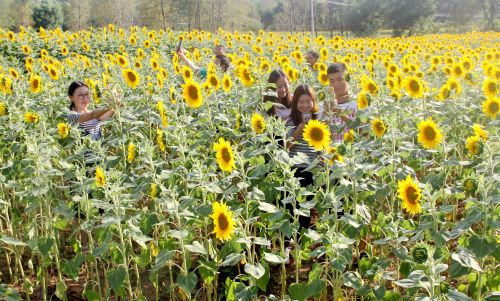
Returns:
(310, 59)
(81, 98)
(305, 104)
(336, 80)
(282, 87)
(219, 50)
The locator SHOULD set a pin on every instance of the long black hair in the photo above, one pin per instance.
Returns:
(224, 62)
(274, 76)
(295, 114)
(71, 90)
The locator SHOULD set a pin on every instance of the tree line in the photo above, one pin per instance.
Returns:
(357, 17)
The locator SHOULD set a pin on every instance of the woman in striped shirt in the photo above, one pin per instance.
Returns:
(88, 121)
(303, 109)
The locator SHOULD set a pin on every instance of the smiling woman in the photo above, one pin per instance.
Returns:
(89, 122)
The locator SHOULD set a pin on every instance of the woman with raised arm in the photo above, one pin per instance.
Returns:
(88, 121)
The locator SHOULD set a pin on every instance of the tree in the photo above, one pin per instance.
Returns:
(48, 15)
(365, 17)
(402, 15)
(76, 14)
(489, 10)
(267, 16)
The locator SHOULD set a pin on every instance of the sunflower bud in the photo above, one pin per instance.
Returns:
(470, 185)
(321, 95)
(420, 253)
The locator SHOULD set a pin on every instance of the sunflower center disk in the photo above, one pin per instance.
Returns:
(317, 134)
(492, 87)
(223, 222)
(414, 86)
(430, 133)
(193, 92)
(412, 195)
(258, 125)
(131, 76)
(226, 156)
(493, 107)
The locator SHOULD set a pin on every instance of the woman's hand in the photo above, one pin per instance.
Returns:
(180, 52)
(298, 131)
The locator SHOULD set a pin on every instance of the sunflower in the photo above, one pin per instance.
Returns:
(245, 75)
(226, 83)
(369, 86)
(3, 109)
(100, 177)
(414, 87)
(490, 107)
(213, 81)
(470, 185)
(131, 152)
(317, 134)
(454, 84)
(378, 127)
(160, 140)
(490, 87)
(86, 47)
(153, 190)
(26, 49)
(457, 71)
(187, 73)
(53, 72)
(349, 136)
(473, 145)
(163, 72)
(121, 60)
(223, 221)
(192, 94)
(224, 155)
(63, 129)
(409, 193)
(154, 64)
(363, 100)
(264, 66)
(335, 156)
(172, 95)
(6, 85)
(480, 132)
(140, 53)
(429, 134)
(444, 92)
(35, 83)
(391, 83)
(323, 78)
(64, 50)
(131, 77)
(13, 73)
(258, 123)
(30, 117)
(467, 64)
(237, 121)
(159, 80)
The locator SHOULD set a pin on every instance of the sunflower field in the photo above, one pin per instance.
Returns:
(184, 197)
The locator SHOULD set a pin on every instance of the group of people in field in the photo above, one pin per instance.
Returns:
(295, 108)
